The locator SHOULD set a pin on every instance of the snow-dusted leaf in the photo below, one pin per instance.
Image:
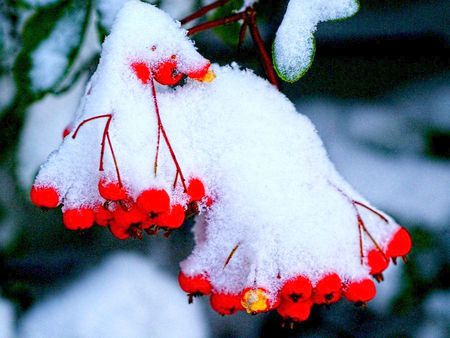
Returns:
(51, 40)
(294, 46)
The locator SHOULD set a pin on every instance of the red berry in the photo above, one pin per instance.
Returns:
(174, 218)
(400, 244)
(198, 284)
(126, 218)
(66, 132)
(298, 312)
(199, 73)
(78, 219)
(142, 71)
(362, 291)
(297, 289)
(44, 197)
(226, 304)
(102, 216)
(111, 191)
(154, 201)
(328, 289)
(119, 231)
(166, 73)
(377, 262)
(195, 190)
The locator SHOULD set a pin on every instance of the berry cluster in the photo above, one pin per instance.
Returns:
(125, 217)
(295, 299)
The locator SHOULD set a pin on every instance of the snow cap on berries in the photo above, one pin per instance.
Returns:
(154, 37)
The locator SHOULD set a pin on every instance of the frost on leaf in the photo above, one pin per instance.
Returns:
(279, 228)
(293, 49)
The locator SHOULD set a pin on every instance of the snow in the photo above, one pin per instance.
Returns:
(6, 319)
(264, 164)
(43, 130)
(126, 296)
(51, 57)
(294, 42)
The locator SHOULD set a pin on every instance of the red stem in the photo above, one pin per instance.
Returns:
(158, 141)
(265, 58)
(242, 33)
(370, 209)
(216, 23)
(202, 11)
(164, 134)
(105, 137)
(88, 120)
(114, 158)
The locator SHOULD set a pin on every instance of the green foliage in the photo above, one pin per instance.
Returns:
(228, 33)
(37, 30)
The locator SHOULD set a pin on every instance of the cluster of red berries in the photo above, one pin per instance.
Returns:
(298, 295)
(166, 71)
(125, 217)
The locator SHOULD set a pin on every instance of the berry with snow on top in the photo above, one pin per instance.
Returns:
(78, 219)
(328, 289)
(196, 190)
(377, 261)
(360, 291)
(194, 285)
(297, 289)
(226, 304)
(400, 245)
(44, 196)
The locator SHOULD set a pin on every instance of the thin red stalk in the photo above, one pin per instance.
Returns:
(372, 210)
(114, 158)
(242, 33)
(361, 224)
(175, 180)
(216, 23)
(88, 120)
(361, 244)
(265, 58)
(105, 137)
(164, 134)
(202, 11)
(102, 150)
(158, 141)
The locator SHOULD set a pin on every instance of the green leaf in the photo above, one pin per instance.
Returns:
(38, 3)
(296, 73)
(51, 41)
(228, 33)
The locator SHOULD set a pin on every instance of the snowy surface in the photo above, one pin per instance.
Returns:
(6, 319)
(126, 296)
(43, 130)
(294, 42)
(51, 57)
(242, 138)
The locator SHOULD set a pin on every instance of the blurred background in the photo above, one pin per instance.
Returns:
(378, 92)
